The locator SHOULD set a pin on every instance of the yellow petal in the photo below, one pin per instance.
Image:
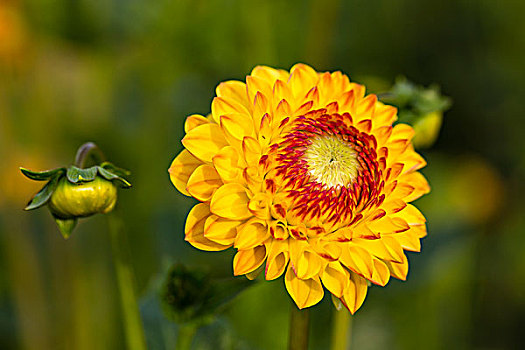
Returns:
(205, 141)
(357, 259)
(233, 90)
(394, 247)
(418, 182)
(308, 265)
(269, 74)
(181, 168)
(413, 161)
(252, 151)
(346, 101)
(261, 107)
(281, 91)
(194, 229)
(226, 162)
(256, 85)
(238, 125)
(246, 261)
(223, 106)
(365, 109)
(402, 132)
(378, 248)
(305, 293)
(333, 86)
(279, 230)
(409, 240)
(381, 274)
(393, 206)
(193, 121)
(386, 225)
(411, 215)
(277, 260)
(355, 293)
(385, 114)
(302, 79)
(419, 231)
(335, 278)
(231, 202)
(398, 270)
(259, 205)
(296, 249)
(222, 231)
(203, 182)
(252, 234)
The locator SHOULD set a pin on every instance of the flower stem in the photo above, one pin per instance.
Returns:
(342, 330)
(128, 300)
(299, 328)
(185, 336)
(86, 150)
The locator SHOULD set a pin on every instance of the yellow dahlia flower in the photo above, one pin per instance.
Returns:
(301, 172)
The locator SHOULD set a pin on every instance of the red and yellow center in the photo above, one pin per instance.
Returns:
(329, 168)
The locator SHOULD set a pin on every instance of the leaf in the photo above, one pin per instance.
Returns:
(41, 175)
(43, 196)
(111, 176)
(65, 226)
(75, 175)
(115, 170)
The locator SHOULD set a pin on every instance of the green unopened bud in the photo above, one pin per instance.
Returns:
(74, 192)
(420, 107)
(76, 200)
(427, 129)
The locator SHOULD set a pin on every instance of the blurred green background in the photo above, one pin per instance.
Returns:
(126, 73)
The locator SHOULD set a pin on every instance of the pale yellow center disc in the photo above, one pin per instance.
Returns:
(331, 161)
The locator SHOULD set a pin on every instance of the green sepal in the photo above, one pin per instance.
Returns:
(106, 170)
(65, 226)
(43, 196)
(414, 102)
(115, 169)
(42, 175)
(76, 175)
(111, 176)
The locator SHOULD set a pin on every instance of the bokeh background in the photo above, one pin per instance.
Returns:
(125, 74)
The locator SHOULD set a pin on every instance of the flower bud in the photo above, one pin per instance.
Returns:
(427, 129)
(74, 200)
(421, 107)
(73, 192)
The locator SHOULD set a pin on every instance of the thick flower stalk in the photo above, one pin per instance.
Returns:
(305, 176)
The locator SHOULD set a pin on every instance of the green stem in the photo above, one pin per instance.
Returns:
(299, 328)
(132, 322)
(342, 330)
(185, 336)
(86, 150)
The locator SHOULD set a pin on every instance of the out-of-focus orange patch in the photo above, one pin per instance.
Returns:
(13, 33)
(15, 189)
(476, 190)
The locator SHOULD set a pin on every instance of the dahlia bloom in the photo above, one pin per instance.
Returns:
(305, 176)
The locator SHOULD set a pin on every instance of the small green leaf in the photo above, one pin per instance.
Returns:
(43, 196)
(115, 170)
(66, 226)
(111, 176)
(75, 175)
(41, 175)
